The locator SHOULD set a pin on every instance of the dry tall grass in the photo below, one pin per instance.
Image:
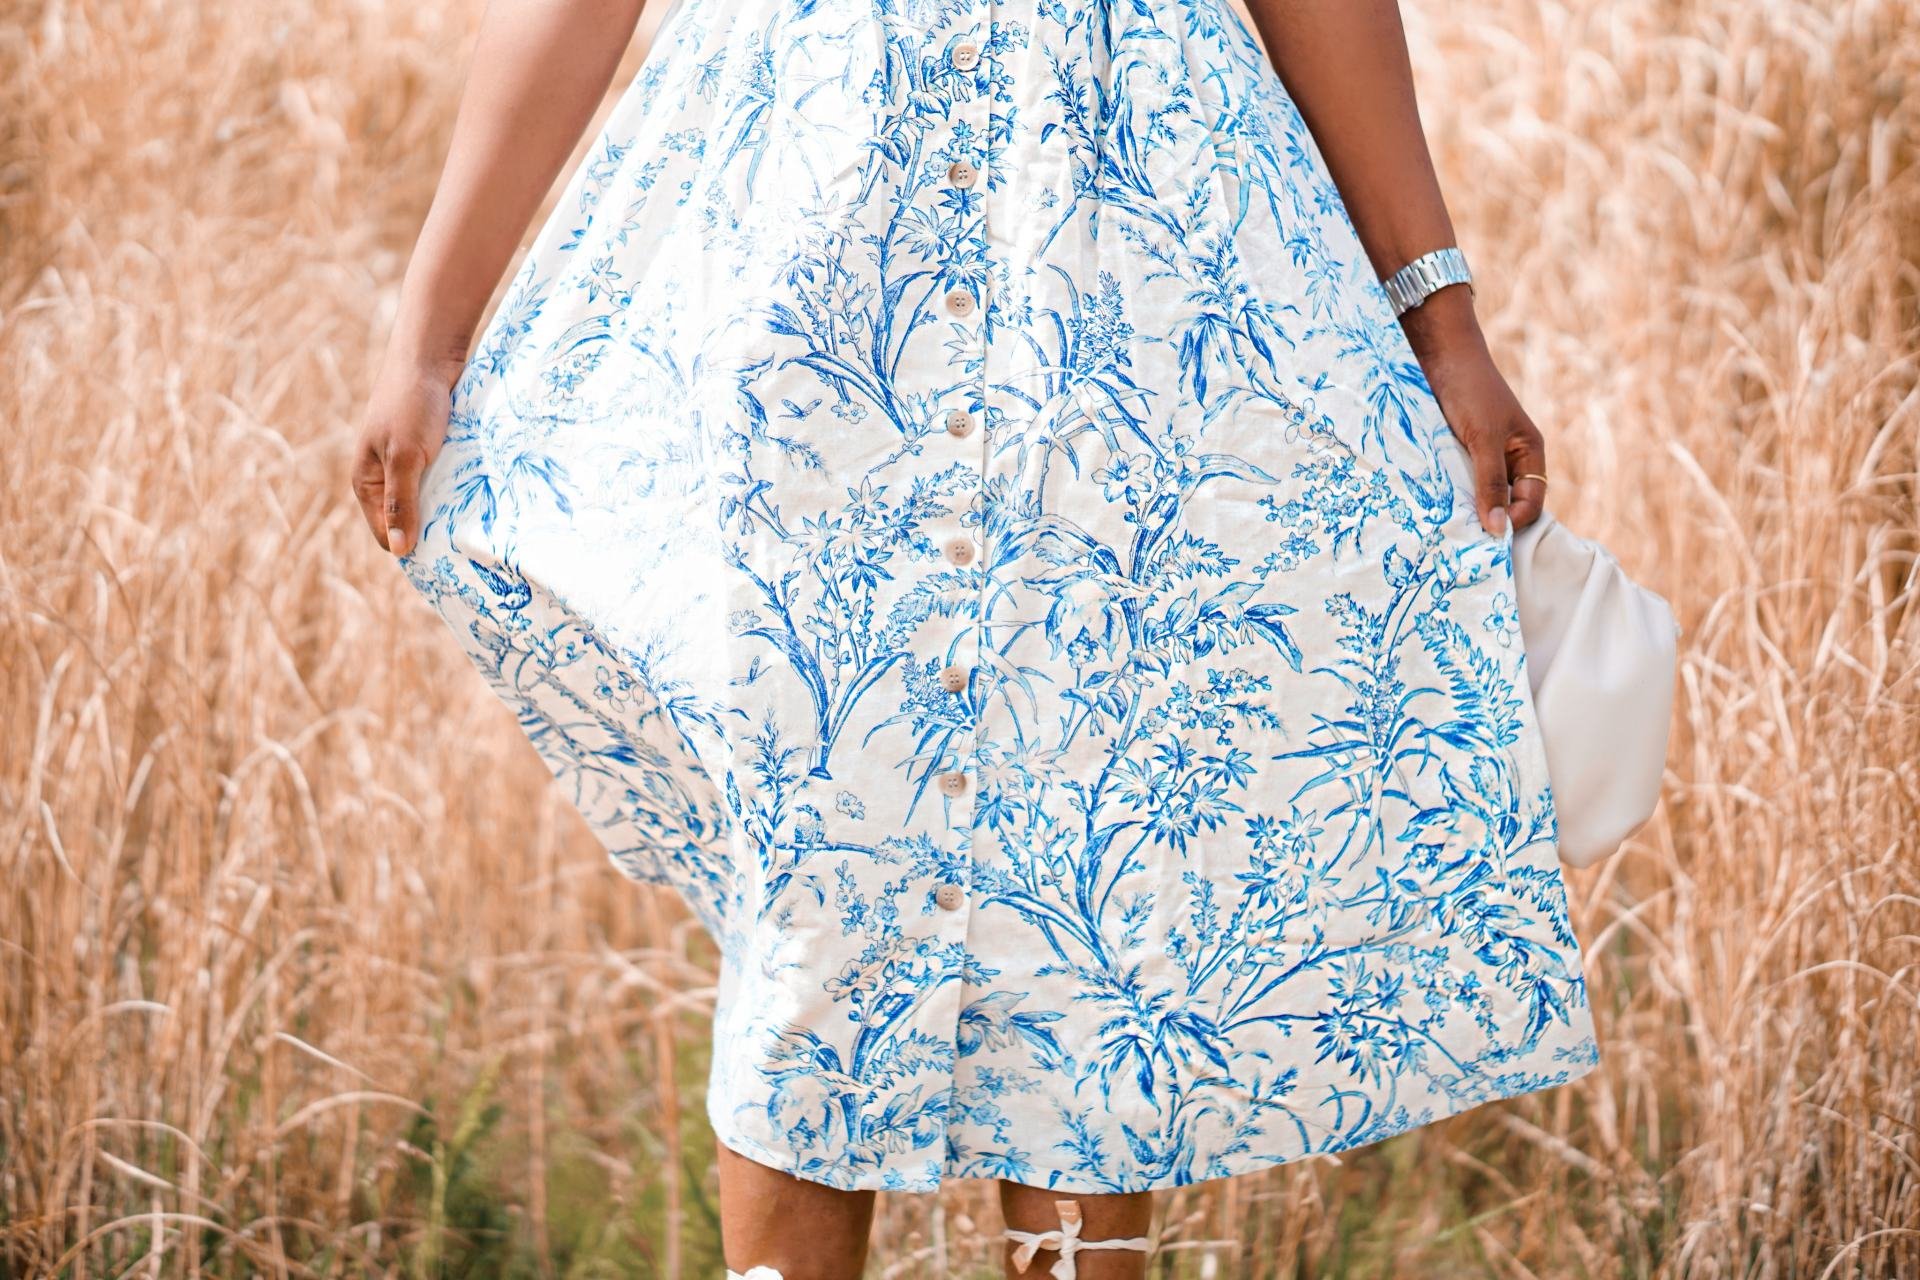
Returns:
(304, 970)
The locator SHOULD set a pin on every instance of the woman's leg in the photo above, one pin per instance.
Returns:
(801, 1229)
(1104, 1221)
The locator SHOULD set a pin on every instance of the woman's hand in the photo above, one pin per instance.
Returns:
(1481, 409)
(1347, 69)
(539, 70)
(405, 426)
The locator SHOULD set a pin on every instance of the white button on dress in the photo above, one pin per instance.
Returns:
(1239, 800)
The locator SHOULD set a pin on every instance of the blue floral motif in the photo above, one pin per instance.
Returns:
(946, 495)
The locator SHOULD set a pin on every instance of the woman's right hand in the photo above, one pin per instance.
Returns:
(404, 428)
(538, 73)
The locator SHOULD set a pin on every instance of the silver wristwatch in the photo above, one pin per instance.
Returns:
(1414, 283)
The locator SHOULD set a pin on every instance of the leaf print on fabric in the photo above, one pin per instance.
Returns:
(947, 497)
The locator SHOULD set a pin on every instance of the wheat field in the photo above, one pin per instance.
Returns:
(306, 970)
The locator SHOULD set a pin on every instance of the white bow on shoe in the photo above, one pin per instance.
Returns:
(1067, 1240)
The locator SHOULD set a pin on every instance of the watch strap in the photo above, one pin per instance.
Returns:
(1426, 275)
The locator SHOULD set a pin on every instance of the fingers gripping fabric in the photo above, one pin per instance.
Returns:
(1067, 1240)
(1006, 605)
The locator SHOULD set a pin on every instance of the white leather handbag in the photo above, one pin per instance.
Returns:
(1602, 651)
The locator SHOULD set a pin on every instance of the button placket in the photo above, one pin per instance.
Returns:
(961, 421)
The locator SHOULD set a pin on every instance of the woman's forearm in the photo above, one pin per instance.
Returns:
(1345, 64)
(539, 71)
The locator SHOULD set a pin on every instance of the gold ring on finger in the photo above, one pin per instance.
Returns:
(1531, 475)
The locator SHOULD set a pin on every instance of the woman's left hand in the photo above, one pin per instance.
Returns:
(1481, 410)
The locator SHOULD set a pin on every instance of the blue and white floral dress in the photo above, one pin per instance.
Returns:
(947, 495)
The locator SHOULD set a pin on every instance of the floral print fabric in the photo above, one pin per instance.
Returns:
(947, 495)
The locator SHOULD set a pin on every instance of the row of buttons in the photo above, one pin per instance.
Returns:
(960, 549)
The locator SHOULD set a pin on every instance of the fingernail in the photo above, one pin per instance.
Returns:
(397, 541)
(1497, 521)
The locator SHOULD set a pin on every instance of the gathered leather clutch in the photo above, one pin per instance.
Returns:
(1602, 652)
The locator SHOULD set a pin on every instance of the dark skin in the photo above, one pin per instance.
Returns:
(759, 1208)
(539, 71)
(1345, 63)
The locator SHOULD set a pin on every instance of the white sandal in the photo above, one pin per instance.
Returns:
(754, 1273)
(1067, 1240)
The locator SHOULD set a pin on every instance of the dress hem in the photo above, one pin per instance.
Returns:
(1245, 1162)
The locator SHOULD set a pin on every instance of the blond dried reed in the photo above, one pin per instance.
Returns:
(304, 969)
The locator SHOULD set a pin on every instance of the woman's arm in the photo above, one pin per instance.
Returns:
(539, 70)
(1345, 64)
